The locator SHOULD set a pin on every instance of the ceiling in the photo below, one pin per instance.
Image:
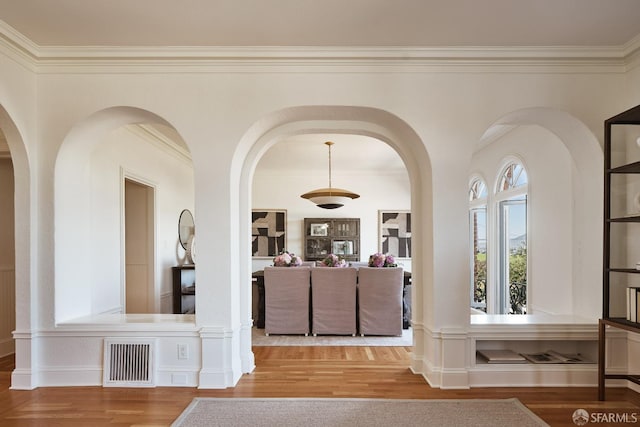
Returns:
(339, 23)
(356, 154)
(328, 23)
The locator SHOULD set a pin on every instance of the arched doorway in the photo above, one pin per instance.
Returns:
(360, 163)
(7, 250)
(369, 122)
(21, 377)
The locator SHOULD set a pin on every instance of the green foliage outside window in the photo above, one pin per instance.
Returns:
(517, 280)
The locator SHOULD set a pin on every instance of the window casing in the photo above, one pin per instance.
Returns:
(478, 239)
(498, 243)
(511, 216)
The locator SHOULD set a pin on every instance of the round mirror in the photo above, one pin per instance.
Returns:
(186, 228)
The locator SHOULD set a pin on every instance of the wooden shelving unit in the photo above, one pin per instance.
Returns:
(184, 289)
(323, 236)
(621, 229)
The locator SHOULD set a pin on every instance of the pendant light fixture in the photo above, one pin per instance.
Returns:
(329, 198)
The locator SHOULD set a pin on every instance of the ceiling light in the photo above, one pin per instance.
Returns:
(329, 198)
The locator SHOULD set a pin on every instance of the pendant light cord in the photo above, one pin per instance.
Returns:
(329, 144)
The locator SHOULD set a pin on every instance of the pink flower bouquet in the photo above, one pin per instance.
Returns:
(382, 260)
(333, 261)
(285, 259)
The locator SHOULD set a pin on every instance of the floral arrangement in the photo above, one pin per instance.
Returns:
(286, 259)
(332, 260)
(382, 260)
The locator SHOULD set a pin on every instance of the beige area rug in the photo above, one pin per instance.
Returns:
(258, 338)
(356, 412)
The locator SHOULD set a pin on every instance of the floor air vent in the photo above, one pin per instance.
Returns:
(129, 363)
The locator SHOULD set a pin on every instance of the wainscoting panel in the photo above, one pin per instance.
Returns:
(7, 310)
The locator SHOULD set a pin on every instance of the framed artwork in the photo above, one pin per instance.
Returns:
(395, 233)
(268, 232)
(318, 229)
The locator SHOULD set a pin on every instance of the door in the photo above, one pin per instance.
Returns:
(139, 248)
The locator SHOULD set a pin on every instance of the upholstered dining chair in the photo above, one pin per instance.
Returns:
(380, 300)
(333, 299)
(286, 293)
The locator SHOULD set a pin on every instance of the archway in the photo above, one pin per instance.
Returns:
(21, 377)
(365, 121)
(89, 202)
(7, 250)
(291, 167)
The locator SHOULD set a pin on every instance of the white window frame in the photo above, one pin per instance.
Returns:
(478, 203)
(497, 286)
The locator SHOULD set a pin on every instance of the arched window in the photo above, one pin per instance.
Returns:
(478, 240)
(511, 216)
(513, 176)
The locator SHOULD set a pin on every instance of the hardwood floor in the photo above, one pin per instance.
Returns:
(363, 372)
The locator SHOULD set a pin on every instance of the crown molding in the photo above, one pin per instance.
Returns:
(17, 46)
(331, 60)
(60, 59)
(632, 53)
(160, 141)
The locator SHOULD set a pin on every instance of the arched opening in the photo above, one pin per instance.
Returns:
(368, 122)
(16, 154)
(100, 163)
(7, 250)
(365, 165)
(564, 164)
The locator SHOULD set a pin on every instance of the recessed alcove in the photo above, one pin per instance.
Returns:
(567, 334)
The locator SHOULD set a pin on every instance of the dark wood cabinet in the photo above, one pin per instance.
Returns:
(184, 289)
(621, 257)
(339, 236)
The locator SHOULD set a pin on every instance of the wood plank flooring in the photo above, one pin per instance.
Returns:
(358, 372)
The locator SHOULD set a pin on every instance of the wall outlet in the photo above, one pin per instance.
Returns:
(183, 351)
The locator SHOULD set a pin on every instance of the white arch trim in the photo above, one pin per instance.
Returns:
(26, 315)
(371, 122)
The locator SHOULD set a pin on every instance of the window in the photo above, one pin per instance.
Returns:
(498, 243)
(511, 198)
(478, 239)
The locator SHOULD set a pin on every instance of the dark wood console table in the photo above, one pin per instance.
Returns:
(406, 298)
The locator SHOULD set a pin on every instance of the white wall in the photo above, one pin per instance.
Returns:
(550, 211)
(126, 152)
(446, 106)
(211, 112)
